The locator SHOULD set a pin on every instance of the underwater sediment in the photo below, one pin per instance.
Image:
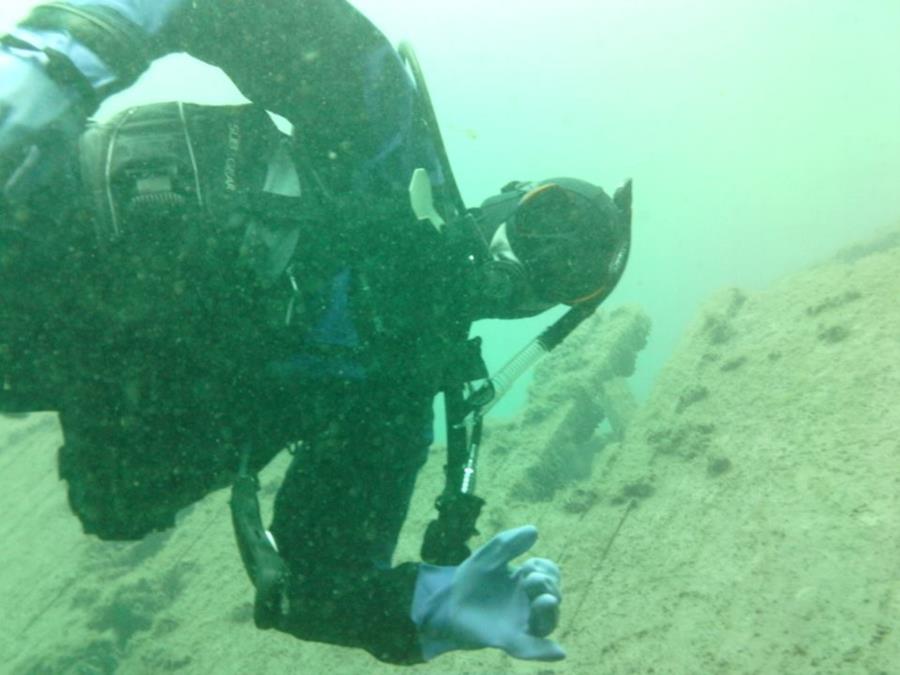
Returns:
(745, 519)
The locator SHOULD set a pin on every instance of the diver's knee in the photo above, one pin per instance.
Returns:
(107, 506)
(102, 518)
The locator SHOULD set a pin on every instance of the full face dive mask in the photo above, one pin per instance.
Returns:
(558, 241)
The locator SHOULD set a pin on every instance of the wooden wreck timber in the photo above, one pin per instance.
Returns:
(578, 386)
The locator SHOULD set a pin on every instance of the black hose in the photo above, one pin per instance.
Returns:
(568, 322)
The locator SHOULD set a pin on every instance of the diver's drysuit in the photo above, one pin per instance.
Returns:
(193, 291)
(194, 310)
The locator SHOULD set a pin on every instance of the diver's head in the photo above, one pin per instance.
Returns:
(561, 240)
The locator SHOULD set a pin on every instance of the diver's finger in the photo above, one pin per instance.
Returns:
(542, 565)
(536, 584)
(504, 547)
(544, 615)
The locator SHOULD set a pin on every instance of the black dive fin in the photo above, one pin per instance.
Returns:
(265, 567)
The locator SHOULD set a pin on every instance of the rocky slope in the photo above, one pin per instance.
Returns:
(745, 520)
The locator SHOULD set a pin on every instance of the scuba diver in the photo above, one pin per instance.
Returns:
(193, 291)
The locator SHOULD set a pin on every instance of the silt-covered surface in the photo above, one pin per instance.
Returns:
(746, 519)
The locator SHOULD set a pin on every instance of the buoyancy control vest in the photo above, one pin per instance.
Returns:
(224, 184)
(227, 166)
(210, 188)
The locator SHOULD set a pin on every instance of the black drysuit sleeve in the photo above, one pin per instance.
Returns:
(339, 512)
(323, 66)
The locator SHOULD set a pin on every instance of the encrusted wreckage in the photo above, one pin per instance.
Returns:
(579, 401)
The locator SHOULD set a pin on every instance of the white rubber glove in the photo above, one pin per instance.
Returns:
(30, 102)
(36, 113)
(485, 603)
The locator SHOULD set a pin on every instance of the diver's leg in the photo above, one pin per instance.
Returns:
(32, 308)
(133, 456)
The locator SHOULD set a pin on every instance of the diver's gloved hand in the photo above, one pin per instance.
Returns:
(485, 603)
(37, 117)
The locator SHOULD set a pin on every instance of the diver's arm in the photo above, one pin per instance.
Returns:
(319, 63)
(323, 66)
(98, 47)
(336, 521)
(56, 67)
(275, 51)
